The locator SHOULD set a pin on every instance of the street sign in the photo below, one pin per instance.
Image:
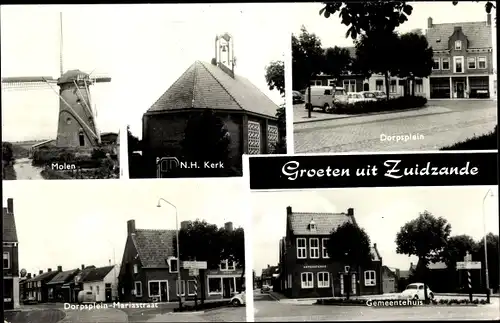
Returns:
(194, 264)
(194, 272)
(468, 265)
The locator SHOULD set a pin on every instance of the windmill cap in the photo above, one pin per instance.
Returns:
(71, 76)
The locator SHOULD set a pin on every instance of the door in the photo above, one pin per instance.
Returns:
(460, 90)
(164, 291)
(107, 294)
(226, 287)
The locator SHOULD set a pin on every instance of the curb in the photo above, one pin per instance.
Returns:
(350, 116)
(274, 297)
(186, 313)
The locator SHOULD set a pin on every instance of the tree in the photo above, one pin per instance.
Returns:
(275, 76)
(233, 250)
(7, 152)
(456, 248)
(493, 245)
(414, 58)
(375, 54)
(363, 17)
(200, 241)
(424, 237)
(280, 146)
(133, 143)
(349, 245)
(338, 61)
(206, 139)
(307, 61)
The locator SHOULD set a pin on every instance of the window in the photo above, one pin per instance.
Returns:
(227, 265)
(6, 260)
(214, 285)
(154, 289)
(306, 280)
(81, 138)
(328, 92)
(318, 82)
(173, 265)
(347, 269)
(481, 62)
(331, 82)
(471, 62)
(272, 136)
(419, 86)
(379, 85)
(458, 64)
(393, 87)
(107, 285)
(458, 45)
(370, 278)
(301, 248)
(349, 85)
(324, 250)
(97, 290)
(39, 284)
(289, 280)
(435, 66)
(314, 248)
(192, 287)
(323, 280)
(254, 135)
(401, 82)
(90, 288)
(136, 268)
(183, 287)
(68, 121)
(138, 289)
(446, 63)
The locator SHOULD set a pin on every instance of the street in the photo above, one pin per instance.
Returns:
(267, 309)
(441, 123)
(24, 170)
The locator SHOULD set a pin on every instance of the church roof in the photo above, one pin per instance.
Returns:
(205, 85)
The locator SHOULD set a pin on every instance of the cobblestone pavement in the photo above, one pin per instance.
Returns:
(440, 124)
(268, 310)
(104, 315)
(226, 314)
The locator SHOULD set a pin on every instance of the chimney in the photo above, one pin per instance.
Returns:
(131, 227)
(10, 205)
(40, 272)
(288, 210)
(110, 262)
(429, 22)
(28, 276)
(268, 266)
(34, 275)
(350, 211)
(488, 19)
(59, 268)
(49, 270)
(83, 266)
(185, 224)
(228, 226)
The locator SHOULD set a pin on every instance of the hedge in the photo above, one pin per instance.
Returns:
(395, 104)
(48, 155)
(483, 142)
(202, 307)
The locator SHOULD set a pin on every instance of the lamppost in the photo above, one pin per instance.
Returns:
(179, 281)
(115, 282)
(486, 274)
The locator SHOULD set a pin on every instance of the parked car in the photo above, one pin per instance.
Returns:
(238, 299)
(339, 97)
(86, 296)
(297, 97)
(30, 301)
(416, 291)
(265, 288)
(321, 97)
(380, 95)
(354, 97)
(369, 96)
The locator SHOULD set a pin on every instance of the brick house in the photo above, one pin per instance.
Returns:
(305, 267)
(463, 59)
(10, 258)
(389, 280)
(248, 114)
(37, 286)
(59, 289)
(102, 281)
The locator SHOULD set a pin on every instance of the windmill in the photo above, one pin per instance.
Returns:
(77, 116)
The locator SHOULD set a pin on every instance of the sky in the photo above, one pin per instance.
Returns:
(332, 32)
(159, 42)
(30, 47)
(380, 211)
(70, 223)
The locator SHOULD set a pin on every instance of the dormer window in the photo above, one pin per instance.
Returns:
(173, 265)
(136, 269)
(312, 225)
(227, 265)
(458, 45)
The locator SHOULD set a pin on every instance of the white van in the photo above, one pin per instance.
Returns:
(321, 97)
(86, 297)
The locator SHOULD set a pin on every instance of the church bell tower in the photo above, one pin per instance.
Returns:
(224, 53)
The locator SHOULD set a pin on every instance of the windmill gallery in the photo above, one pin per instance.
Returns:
(79, 142)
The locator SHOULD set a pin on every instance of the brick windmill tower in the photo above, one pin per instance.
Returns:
(77, 115)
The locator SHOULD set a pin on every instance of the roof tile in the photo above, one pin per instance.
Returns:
(63, 276)
(154, 246)
(9, 227)
(97, 274)
(325, 222)
(479, 34)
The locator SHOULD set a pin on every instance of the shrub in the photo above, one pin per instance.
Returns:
(7, 152)
(202, 307)
(396, 104)
(98, 153)
(484, 142)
